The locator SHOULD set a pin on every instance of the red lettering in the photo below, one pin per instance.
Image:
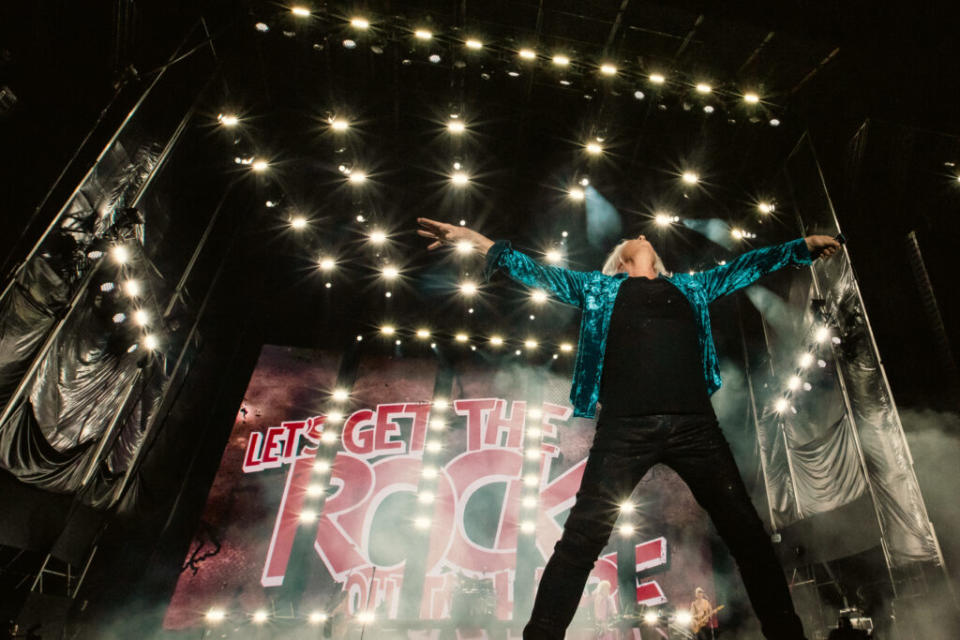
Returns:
(273, 447)
(251, 461)
(474, 409)
(386, 428)
(358, 432)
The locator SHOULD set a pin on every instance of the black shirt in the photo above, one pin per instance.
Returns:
(652, 363)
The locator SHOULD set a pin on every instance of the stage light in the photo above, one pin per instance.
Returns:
(359, 338)
(340, 395)
(298, 222)
(377, 236)
(553, 256)
(141, 318)
(464, 247)
(539, 296)
(626, 530)
(690, 177)
(422, 522)
(150, 342)
(215, 615)
(564, 234)
(468, 288)
(357, 177)
(736, 233)
(703, 87)
(349, 43)
(533, 454)
(835, 340)
(531, 480)
(794, 383)
(566, 347)
(259, 166)
(262, 27)
(339, 124)
(367, 616)
(316, 617)
(594, 148)
(651, 617)
(708, 108)
(327, 264)
(805, 360)
(390, 272)
(561, 60)
(657, 78)
(423, 334)
(663, 219)
(528, 54)
(496, 341)
(627, 507)
(751, 98)
(473, 44)
(360, 23)
(131, 288)
(528, 527)
(529, 502)
(441, 403)
(434, 446)
(821, 363)
(308, 515)
(120, 254)
(429, 473)
(639, 95)
(459, 178)
(434, 58)
(422, 34)
(535, 413)
(387, 330)
(321, 466)
(533, 433)
(119, 317)
(530, 344)
(456, 126)
(608, 70)
(683, 618)
(821, 334)
(438, 424)
(781, 405)
(774, 122)
(301, 12)
(765, 207)
(425, 497)
(577, 194)
(461, 337)
(315, 490)
(228, 119)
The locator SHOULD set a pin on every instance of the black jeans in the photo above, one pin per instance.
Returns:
(622, 452)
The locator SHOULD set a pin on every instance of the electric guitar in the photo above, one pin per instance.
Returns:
(701, 621)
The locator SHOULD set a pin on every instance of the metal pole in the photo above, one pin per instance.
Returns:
(756, 421)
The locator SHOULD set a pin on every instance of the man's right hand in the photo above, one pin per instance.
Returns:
(451, 235)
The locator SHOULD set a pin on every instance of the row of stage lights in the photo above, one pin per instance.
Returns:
(460, 178)
(215, 616)
(558, 59)
(132, 289)
(795, 383)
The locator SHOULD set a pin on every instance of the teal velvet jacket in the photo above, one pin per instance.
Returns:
(594, 293)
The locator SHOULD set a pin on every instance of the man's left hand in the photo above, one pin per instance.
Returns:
(822, 246)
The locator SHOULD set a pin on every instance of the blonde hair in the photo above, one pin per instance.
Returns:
(612, 264)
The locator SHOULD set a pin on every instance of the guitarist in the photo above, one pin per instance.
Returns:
(701, 611)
